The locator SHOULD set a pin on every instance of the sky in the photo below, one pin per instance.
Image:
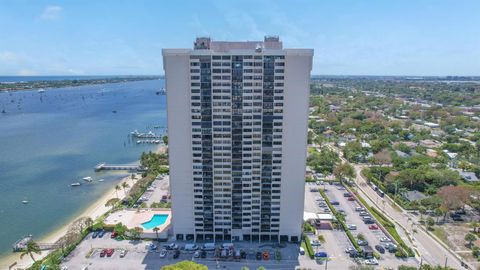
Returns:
(121, 37)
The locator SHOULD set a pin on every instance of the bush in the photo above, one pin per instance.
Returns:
(307, 227)
(400, 253)
(308, 245)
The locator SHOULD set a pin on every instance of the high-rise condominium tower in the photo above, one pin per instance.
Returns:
(237, 128)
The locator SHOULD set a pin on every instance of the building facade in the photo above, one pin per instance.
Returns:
(237, 127)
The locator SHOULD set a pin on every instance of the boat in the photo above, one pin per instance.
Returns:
(101, 180)
(75, 184)
(88, 179)
(41, 90)
(25, 201)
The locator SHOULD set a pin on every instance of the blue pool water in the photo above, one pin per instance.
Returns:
(156, 220)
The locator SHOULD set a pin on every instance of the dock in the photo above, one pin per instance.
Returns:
(118, 167)
(22, 243)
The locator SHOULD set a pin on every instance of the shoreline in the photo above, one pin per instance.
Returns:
(93, 210)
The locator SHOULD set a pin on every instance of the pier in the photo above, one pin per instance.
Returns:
(118, 167)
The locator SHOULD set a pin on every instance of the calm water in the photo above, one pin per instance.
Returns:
(50, 140)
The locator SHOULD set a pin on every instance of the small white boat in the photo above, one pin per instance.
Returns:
(25, 201)
(88, 179)
(41, 90)
(75, 184)
(101, 180)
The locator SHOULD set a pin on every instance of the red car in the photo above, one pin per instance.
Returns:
(351, 199)
(110, 252)
(373, 227)
(113, 235)
(103, 253)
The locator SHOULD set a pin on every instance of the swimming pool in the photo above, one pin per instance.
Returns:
(157, 220)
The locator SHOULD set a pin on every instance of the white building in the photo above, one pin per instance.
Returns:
(237, 128)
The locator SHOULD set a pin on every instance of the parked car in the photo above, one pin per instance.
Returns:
(266, 255)
(359, 209)
(334, 203)
(114, 234)
(110, 252)
(366, 217)
(349, 249)
(354, 254)
(196, 254)
(163, 253)
(103, 252)
(203, 254)
(321, 254)
(316, 243)
(176, 254)
(171, 246)
(95, 234)
(371, 261)
(347, 194)
(351, 199)
(123, 253)
(362, 242)
(352, 226)
(380, 249)
(101, 233)
(368, 221)
(208, 246)
(302, 251)
(258, 255)
(363, 213)
(373, 227)
(385, 239)
(191, 247)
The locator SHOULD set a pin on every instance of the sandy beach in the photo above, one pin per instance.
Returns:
(94, 211)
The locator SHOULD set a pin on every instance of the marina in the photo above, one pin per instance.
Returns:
(118, 167)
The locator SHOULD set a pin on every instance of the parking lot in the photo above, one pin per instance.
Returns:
(374, 237)
(336, 241)
(157, 192)
(139, 256)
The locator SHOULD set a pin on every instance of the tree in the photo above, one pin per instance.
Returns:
(112, 202)
(32, 247)
(132, 177)
(261, 268)
(135, 233)
(474, 225)
(120, 229)
(156, 229)
(430, 222)
(117, 188)
(185, 265)
(422, 211)
(383, 157)
(80, 224)
(454, 197)
(470, 237)
(344, 170)
(125, 186)
(165, 139)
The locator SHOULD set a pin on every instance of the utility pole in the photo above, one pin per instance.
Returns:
(326, 263)
(446, 259)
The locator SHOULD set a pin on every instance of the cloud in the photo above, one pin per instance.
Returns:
(8, 57)
(52, 13)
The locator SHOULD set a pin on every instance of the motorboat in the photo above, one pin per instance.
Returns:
(75, 184)
(88, 179)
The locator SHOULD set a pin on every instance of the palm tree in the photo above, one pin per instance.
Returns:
(132, 177)
(32, 247)
(125, 186)
(112, 202)
(117, 188)
(156, 229)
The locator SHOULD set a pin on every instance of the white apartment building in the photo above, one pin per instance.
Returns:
(237, 128)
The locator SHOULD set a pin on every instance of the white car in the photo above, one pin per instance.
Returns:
(352, 227)
(163, 253)
(196, 254)
(385, 239)
(315, 243)
(372, 261)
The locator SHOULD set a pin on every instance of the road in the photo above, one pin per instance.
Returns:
(430, 250)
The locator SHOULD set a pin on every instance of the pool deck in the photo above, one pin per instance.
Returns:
(134, 218)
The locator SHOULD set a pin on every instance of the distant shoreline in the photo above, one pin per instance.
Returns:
(59, 82)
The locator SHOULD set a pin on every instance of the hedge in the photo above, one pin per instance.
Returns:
(308, 245)
(388, 225)
(342, 223)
